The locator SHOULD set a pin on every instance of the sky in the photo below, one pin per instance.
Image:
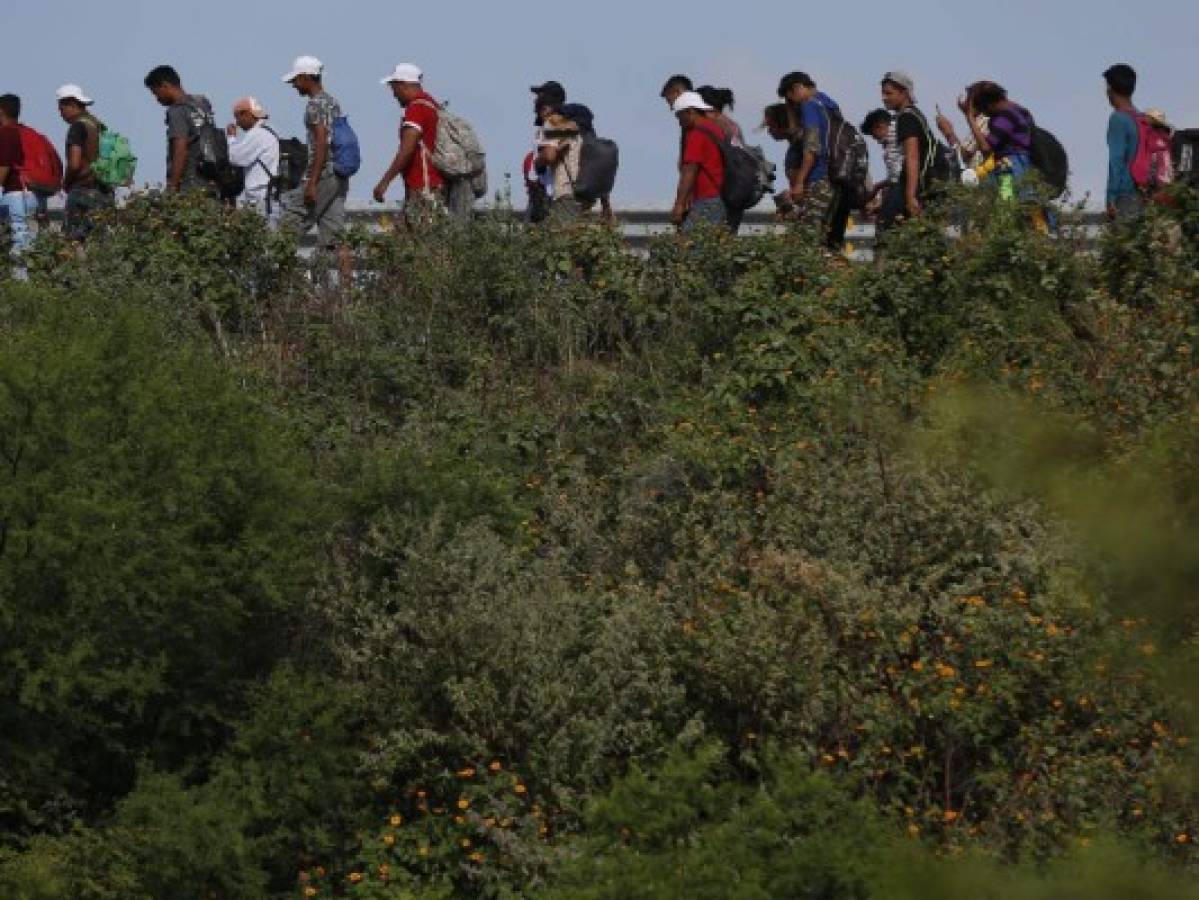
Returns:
(612, 55)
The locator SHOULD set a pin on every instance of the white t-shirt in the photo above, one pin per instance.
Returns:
(247, 150)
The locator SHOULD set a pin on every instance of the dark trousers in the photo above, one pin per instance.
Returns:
(842, 206)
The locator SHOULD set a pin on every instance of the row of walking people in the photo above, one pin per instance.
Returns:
(303, 184)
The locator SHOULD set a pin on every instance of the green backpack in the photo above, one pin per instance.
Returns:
(115, 163)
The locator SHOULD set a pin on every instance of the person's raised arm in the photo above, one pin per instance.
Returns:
(409, 141)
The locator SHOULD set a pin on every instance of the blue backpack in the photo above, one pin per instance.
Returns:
(343, 143)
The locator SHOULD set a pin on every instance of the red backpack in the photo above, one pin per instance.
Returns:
(42, 170)
(1150, 167)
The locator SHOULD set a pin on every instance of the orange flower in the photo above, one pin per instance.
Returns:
(917, 666)
(464, 803)
(951, 815)
(946, 671)
(468, 772)
(521, 789)
(1183, 838)
(355, 877)
(496, 766)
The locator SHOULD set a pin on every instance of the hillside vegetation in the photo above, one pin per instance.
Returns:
(529, 567)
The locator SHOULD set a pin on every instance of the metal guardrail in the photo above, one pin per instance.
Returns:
(641, 225)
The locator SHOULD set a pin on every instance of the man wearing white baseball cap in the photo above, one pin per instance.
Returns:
(321, 199)
(86, 194)
(255, 150)
(424, 186)
(701, 166)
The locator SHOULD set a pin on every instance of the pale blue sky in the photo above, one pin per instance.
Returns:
(612, 55)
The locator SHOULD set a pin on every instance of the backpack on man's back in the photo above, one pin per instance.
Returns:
(458, 153)
(115, 163)
(1152, 165)
(848, 155)
(745, 181)
(42, 171)
(599, 160)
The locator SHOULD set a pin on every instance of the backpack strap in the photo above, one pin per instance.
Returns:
(721, 144)
(932, 143)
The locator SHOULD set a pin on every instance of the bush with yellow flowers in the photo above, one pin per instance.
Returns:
(475, 831)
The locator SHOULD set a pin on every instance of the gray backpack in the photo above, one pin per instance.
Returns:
(599, 158)
(458, 153)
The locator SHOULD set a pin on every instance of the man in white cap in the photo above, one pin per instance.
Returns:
(424, 186)
(916, 145)
(321, 199)
(701, 166)
(85, 192)
(256, 150)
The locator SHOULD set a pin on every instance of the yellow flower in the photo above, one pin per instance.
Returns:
(914, 830)
(468, 772)
(389, 840)
(464, 803)
(465, 842)
(946, 671)
(423, 851)
(459, 820)
(983, 663)
(309, 891)
(477, 857)
(521, 789)
(396, 821)
(355, 877)
(496, 766)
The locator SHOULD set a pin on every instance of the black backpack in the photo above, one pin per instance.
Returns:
(1050, 159)
(941, 164)
(599, 159)
(212, 147)
(744, 184)
(848, 155)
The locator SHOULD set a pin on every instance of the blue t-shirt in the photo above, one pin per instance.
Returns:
(1122, 139)
(814, 117)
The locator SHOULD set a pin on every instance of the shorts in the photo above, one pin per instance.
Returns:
(328, 214)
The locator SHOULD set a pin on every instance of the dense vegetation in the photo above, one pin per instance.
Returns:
(528, 567)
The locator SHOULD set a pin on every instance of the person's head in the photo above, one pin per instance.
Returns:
(306, 75)
(689, 107)
(984, 96)
(578, 114)
(406, 83)
(164, 83)
(10, 109)
(797, 87)
(777, 121)
(719, 99)
(543, 108)
(551, 91)
(72, 102)
(675, 85)
(877, 124)
(898, 90)
(248, 112)
(1121, 82)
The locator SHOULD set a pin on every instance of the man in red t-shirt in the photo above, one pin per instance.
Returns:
(424, 185)
(701, 167)
(18, 206)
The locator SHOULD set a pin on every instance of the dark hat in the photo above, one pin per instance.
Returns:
(551, 90)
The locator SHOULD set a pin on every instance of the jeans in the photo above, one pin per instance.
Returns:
(18, 208)
(709, 211)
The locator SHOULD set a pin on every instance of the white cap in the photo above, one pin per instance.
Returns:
(252, 106)
(304, 65)
(690, 100)
(73, 92)
(405, 73)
